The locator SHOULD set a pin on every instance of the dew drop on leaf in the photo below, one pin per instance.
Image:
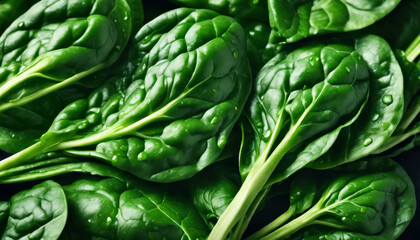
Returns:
(260, 124)
(347, 69)
(222, 141)
(21, 25)
(267, 135)
(83, 125)
(142, 156)
(367, 142)
(362, 209)
(108, 220)
(235, 54)
(343, 219)
(114, 158)
(214, 120)
(387, 99)
(375, 118)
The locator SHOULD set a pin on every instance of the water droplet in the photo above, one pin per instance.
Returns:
(50, 154)
(13, 135)
(267, 134)
(317, 59)
(347, 69)
(367, 142)
(89, 220)
(142, 156)
(214, 120)
(236, 108)
(354, 217)
(311, 62)
(21, 25)
(222, 141)
(235, 54)
(362, 209)
(83, 125)
(114, 158)
(387, 99)
(117, 47)
(255, 2)
(108, 220)
(375, 117)
(126, 18)
(298, 193)
(115, 20)
(343, 219)
(93, 118)
(146, 39)
(260, 124)
(383, 65)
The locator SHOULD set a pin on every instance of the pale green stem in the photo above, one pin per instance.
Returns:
(409, 115)
(278, 222)
(243, 224)
(395, 140)
(249, 190)
(47, 90)
(413, 50)
(13, 82)
(294, 225)
(29, 167)
(21, 157)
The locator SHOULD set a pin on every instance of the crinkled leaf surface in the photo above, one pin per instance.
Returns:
(297, 92)
(383, 111)
(212, 191)
(58, 42)
(172, 115)
(108, 209)
(295, 19)
(369, 199)
(10, 10)
(250, 9)
(37, 213)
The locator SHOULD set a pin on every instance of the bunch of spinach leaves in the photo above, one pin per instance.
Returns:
(193, 121)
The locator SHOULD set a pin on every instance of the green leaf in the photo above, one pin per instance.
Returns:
(109, 209)
(294, 100)
(383, 110)
(212, 191)
(369, 199)
(168, 112)
(39, 213)
(11, 9)
(294, 20)
(57, 43)
(249, 9)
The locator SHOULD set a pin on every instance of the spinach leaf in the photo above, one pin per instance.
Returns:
(212, 191)
(108, 209)
(37, 213)
(382, 113)
(293, 103)
(249, 9)
(294, 20)
(180, 105)
(57, 43)
(11, 9)
(4, 214)
(369, 199)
